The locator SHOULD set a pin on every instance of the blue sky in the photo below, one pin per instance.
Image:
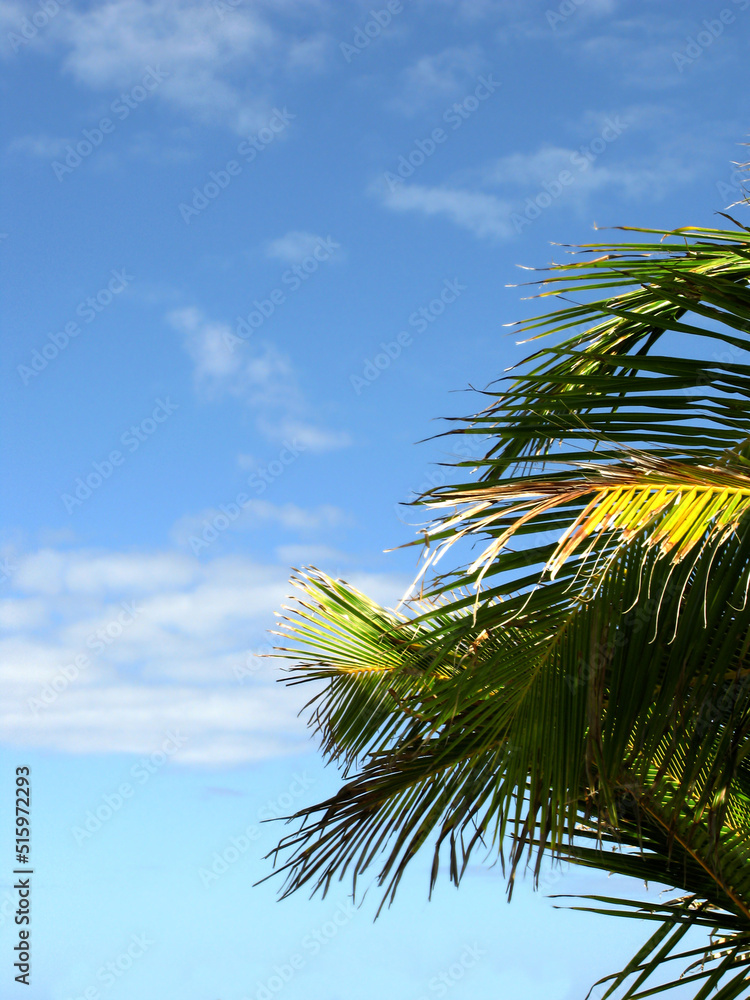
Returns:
(252, 251)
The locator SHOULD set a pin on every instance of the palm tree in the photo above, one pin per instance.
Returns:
(577, 687)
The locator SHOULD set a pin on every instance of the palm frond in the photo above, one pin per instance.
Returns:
(579, 688)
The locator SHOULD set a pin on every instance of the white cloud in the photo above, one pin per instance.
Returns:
(113, 45)
(254, 514)
(309, 437)
(20, 614)
(12, 14)
(221, 728)
(592, 172)
(529, 168)
(484, 215)
(294, 246)
(56, 536)
(256, 372)
(289, 515)
(169, 146)
(533, 19)
(185, 659)
(619, 46)
(219, 68)
(493, 197)
(438, 77)
(223, 363)
(208, 343)
(44, 147)
(49, 572)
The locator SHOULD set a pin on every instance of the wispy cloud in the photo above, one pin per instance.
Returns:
(186, 660)
(111, 46)
(44, 147)
(293, 247)
(256, 514)
(254, 371)
(218, 67)
(484, 215)
(522, 171)
(618, 46)
(489, 198)
(308, 436)
(438, 77)
(51, 572)
(531, 19)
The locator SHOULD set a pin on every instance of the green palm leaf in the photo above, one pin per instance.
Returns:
(578, 687)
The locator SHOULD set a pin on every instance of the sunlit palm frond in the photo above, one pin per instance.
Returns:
(580, 687)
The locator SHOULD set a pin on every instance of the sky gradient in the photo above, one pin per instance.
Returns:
(251, 253)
